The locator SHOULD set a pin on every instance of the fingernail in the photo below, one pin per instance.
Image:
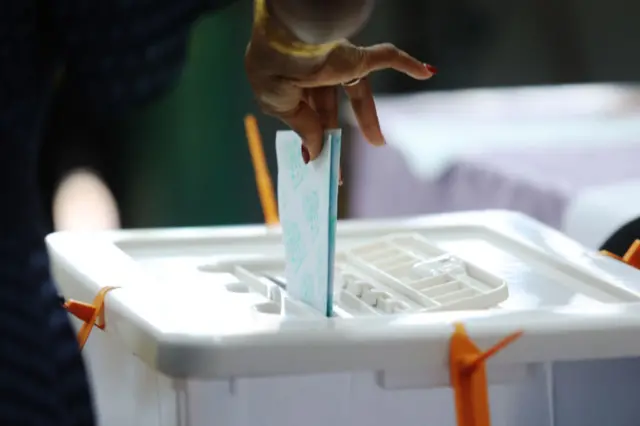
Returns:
(305, 155)
(433, 70)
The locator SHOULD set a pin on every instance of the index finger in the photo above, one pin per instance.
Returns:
(348, 62)
(384, 56)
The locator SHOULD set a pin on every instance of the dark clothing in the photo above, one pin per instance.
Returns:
(115, 54)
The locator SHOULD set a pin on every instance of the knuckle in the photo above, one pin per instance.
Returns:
(275, 100)
(358, 58)
(388, 52)
(266, 108)
(290, 112)
(388, 48)
(380, 55)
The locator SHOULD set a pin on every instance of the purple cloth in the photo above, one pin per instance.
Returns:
(537, 182)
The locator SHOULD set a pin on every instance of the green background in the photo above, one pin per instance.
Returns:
(188, 160)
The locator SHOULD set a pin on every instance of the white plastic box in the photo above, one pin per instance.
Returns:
(187, 344)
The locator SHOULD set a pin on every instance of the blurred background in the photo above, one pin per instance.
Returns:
(534, 109)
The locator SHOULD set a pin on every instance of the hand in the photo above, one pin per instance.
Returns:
(303, 92)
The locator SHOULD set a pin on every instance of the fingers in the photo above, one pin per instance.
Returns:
(350, 62)
(291, 104)
(310, 119)
(306, 123)
(313, 117)
(364, 108)
(324, 101)
(383, 56)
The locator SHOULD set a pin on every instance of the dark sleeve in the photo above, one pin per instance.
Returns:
(120, 54)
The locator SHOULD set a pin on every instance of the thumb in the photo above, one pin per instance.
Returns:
(306, 123)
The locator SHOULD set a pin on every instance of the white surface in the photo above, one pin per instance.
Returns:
(176, 332)
(435, 129)
(185, 323)
(397, 274)
(405, 271)
(129, 392)
(596, 213)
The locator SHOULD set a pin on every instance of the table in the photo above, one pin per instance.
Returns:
(533, 150)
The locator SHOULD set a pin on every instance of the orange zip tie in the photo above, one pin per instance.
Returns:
(89, 314)
(631, 257)
(263, 178)
(609, 254)
(469, 378)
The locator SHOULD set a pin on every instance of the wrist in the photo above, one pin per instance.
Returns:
(272, 32)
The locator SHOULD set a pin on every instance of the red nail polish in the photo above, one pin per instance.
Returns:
(305, 155)
(433, 70)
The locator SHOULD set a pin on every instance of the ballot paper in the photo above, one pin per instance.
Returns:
(308, 209)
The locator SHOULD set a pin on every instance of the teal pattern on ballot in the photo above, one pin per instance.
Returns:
(307, 202)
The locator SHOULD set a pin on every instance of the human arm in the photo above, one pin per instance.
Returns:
(297, 58)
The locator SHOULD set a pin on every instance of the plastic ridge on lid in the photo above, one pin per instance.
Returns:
(469, 378)
(404, 273)
(395, 274)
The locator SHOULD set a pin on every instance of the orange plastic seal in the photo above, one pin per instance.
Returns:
(469, 378)
(631, 257)
(89, 314)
